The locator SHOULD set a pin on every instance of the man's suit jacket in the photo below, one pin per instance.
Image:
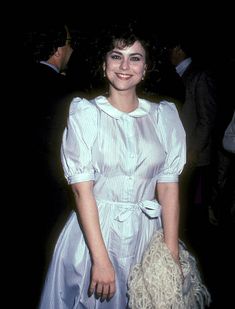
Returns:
(49, 100)
(198, 113)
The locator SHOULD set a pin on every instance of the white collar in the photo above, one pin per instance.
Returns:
(142, 110)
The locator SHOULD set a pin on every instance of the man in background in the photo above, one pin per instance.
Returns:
(47, 195)
(198, 115)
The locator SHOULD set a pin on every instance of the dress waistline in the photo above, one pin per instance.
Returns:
(151, 208)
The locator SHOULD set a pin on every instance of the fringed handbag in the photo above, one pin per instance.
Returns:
(156, 282)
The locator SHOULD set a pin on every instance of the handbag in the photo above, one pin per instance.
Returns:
(156, 282)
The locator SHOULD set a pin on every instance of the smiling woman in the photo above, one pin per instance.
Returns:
(124, 68)
(117, 208)
(103, 44)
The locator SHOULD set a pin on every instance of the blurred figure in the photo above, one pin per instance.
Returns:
(198, 116)
(229, 136)
(221, 228)
(222, 195)
(50, 91)
(44, 120)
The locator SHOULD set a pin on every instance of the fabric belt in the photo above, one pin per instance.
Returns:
(151, 208)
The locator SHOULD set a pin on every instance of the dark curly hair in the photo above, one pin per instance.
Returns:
(121, 35)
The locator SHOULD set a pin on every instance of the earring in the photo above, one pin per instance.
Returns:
(142, 77)
(104, 74)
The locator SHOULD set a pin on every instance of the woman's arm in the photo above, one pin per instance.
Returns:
(168, 196)
(102, 272)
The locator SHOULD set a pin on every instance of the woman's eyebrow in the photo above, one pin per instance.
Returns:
(131, 54)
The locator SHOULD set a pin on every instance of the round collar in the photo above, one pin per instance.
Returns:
(142, 110)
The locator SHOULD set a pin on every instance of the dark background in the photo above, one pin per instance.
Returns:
(209, 28)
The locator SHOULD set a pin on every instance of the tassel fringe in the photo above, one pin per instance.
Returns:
(156, 282)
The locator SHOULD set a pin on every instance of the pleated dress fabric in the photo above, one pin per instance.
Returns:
(125, 154)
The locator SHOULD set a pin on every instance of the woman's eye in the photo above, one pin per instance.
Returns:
(115, 57)
(135, 59)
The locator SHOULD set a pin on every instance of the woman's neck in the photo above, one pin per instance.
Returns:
(125, 102)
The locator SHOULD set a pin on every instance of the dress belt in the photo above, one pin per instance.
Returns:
(151, 208)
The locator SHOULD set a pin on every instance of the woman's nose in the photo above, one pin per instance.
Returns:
(124, 64)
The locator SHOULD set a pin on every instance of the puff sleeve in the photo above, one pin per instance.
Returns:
(78, 138)
(172, 136)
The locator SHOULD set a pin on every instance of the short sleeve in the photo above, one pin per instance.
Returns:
(173, 140)
(78, 138)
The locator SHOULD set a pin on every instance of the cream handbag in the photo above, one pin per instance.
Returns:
(157, 281)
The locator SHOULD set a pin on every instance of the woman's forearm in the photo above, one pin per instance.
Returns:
(89, 219)
(102, 272)
(168, 195)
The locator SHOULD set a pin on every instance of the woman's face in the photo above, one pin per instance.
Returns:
(125, 67)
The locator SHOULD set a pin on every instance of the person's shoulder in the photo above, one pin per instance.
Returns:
(45, 77)
(167, 107)
(162, 108)
(151, 104)
(157, 103)
(168, 112)
(201, 71)
(41, 68)
(169, 120)
(81, 104)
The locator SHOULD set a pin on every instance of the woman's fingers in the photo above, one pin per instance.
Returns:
(99, 290)
(105, 292)
(112, 290)
(102, 283)
(91, 288)
(102, 291)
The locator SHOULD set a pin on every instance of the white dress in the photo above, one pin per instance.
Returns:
(125, 154)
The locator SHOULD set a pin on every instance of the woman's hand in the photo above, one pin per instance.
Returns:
(177, 260)
(102, 280)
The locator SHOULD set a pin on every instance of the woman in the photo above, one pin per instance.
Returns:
(118, 152)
